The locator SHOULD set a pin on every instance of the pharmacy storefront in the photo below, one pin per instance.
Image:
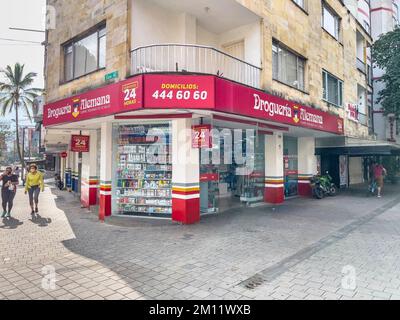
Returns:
(180, 146)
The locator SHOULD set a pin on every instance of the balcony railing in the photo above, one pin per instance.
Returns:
(363, 119)
(196, 59)
(361, 65)
(369, 75)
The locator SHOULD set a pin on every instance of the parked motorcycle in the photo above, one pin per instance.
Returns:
(59, 182)
(323, 186)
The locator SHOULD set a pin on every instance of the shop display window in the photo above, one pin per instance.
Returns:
(223, 185)
(143, 170)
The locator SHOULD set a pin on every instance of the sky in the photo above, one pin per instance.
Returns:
(28, 14)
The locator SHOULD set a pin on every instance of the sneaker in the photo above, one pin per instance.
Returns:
(3, 214)
(379, 196)
(8, 215)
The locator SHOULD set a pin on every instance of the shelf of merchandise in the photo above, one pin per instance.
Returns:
(135, 162)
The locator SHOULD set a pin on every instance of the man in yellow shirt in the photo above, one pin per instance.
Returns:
(33, 185)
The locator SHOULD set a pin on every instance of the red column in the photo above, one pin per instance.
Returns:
(186, 204)
(274, 190)
(93, 190)
(304, 186)
(105, 200)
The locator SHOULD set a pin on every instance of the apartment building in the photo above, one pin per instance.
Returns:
(125, 75)
(385, 17)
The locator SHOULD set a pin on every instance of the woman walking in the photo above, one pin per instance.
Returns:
(34, 184)
(8, 191)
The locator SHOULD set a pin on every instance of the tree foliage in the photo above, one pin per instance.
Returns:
(17, 95)
(386, 56)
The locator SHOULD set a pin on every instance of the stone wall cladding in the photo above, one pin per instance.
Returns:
(74, 18)
(302, 32)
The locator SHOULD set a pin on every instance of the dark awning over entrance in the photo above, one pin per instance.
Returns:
(355, 147)
(363, 151)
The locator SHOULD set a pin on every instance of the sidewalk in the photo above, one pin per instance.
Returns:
(296, 250)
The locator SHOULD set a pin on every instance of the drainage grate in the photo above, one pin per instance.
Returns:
(253, 282)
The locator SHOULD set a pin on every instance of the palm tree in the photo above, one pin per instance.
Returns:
(17, 95)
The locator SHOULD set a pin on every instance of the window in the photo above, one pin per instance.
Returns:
(85, 55)
(395, 14)
(301, 3)
(332, 89)
(287, 66)
(330, 21)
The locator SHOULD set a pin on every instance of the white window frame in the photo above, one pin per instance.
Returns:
(279, 76)
(325, 92)
(337, 21)
(301, 3)
(101, 32)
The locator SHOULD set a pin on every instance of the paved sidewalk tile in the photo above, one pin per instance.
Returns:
(302, 250)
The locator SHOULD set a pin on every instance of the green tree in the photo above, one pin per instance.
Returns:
(5, 135)
(386, 55)
(17, 95)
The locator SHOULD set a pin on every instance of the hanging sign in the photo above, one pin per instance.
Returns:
(201, 136)
(352, 111)
(80, 143)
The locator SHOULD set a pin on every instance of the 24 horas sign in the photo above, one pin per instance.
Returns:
(80, 143)
(108, 100)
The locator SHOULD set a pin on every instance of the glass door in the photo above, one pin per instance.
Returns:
(209, 191)
(290, 166)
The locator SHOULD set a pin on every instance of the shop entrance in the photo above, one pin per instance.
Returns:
(224, 183)
(290, 166)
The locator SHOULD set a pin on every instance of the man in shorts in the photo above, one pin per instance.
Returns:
(379, 175)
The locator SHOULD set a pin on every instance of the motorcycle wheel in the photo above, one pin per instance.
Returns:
(332, 191)
(319, 193)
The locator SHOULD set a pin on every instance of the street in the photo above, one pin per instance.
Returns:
(346, 247)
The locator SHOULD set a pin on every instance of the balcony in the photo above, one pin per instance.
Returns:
(193, 59)
(361, 65)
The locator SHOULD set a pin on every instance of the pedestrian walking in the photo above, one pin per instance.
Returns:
(379, 175)
(17, 172)
(8, 191)
(34, 184)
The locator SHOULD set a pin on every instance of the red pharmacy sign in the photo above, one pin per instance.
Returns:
(80, 143)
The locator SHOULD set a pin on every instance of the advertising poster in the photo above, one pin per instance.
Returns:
(343, 171)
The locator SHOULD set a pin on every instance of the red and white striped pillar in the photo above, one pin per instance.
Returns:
(307, 165)
(274, 181)
(185, 174)
(105, 208)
